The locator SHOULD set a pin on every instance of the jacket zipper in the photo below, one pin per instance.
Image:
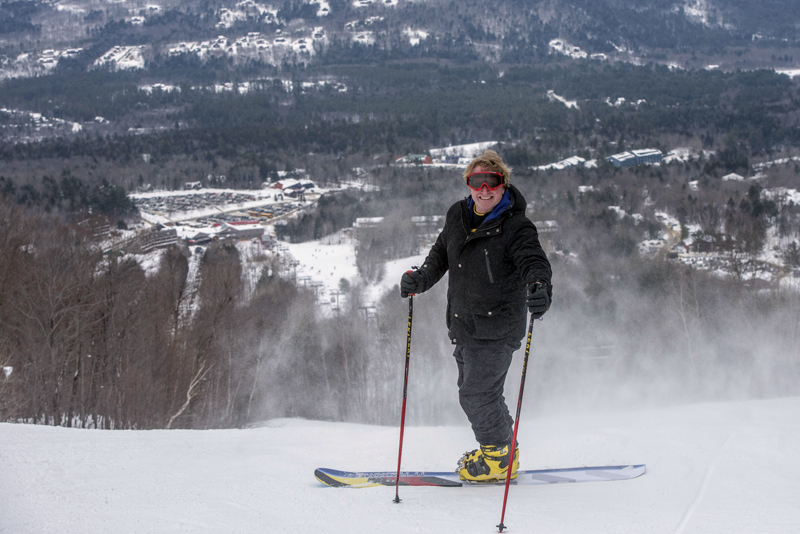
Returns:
(488, 267)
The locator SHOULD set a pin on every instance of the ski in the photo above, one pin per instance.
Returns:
(448, 479)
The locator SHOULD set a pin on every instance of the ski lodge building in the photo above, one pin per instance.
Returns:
(636, 157)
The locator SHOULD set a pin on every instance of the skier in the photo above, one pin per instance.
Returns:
(492, 252)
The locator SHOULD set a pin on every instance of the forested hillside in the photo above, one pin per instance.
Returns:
(388, 111)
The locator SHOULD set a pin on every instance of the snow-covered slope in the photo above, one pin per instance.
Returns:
(712, 468)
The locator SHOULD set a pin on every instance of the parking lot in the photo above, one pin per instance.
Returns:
(198, 209)
(191, 201)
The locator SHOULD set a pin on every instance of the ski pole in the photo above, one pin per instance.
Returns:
(502, 526)
(405, 393)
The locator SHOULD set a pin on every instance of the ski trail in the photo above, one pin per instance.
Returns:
(698, 498)
(187, 307)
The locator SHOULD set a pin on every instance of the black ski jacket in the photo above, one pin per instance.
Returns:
(490, 270)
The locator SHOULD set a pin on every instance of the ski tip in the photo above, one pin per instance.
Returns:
(343, 479)
(327, 479)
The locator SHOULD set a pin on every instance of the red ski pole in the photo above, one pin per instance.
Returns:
(502, 526)
(405, 392)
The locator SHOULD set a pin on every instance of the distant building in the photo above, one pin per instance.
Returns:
(452, 153)
(293, 184)
(429, 224)
(199, 238)
(425, 224)
(648, 155)
(733, 177)
(419, 159)
(623, 159)
(268, 241)
(574, 161)
(99, 226)
(161, 238)
(546, 227)
(367, 222)
(636, 157)
(418, 220)
(241, 231)
(285, 183)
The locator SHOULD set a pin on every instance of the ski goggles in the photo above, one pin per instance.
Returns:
(492, 180)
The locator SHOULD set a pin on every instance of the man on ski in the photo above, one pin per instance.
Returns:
(497, 269)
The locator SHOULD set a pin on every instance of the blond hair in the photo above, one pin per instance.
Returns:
(490, 161)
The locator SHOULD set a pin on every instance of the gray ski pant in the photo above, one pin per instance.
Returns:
(481, 377)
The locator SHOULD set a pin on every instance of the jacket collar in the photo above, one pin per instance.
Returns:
(506, 203)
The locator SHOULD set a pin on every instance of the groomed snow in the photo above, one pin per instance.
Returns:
(712, 468)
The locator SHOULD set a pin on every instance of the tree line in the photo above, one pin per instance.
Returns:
(94, 340)
(393, 110)
(70, 196)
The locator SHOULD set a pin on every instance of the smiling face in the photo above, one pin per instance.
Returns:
(486, 199)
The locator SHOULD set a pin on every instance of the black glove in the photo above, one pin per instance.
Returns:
(411, 283)
(538, 299)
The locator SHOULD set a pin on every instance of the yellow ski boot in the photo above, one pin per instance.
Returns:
(487, 464)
